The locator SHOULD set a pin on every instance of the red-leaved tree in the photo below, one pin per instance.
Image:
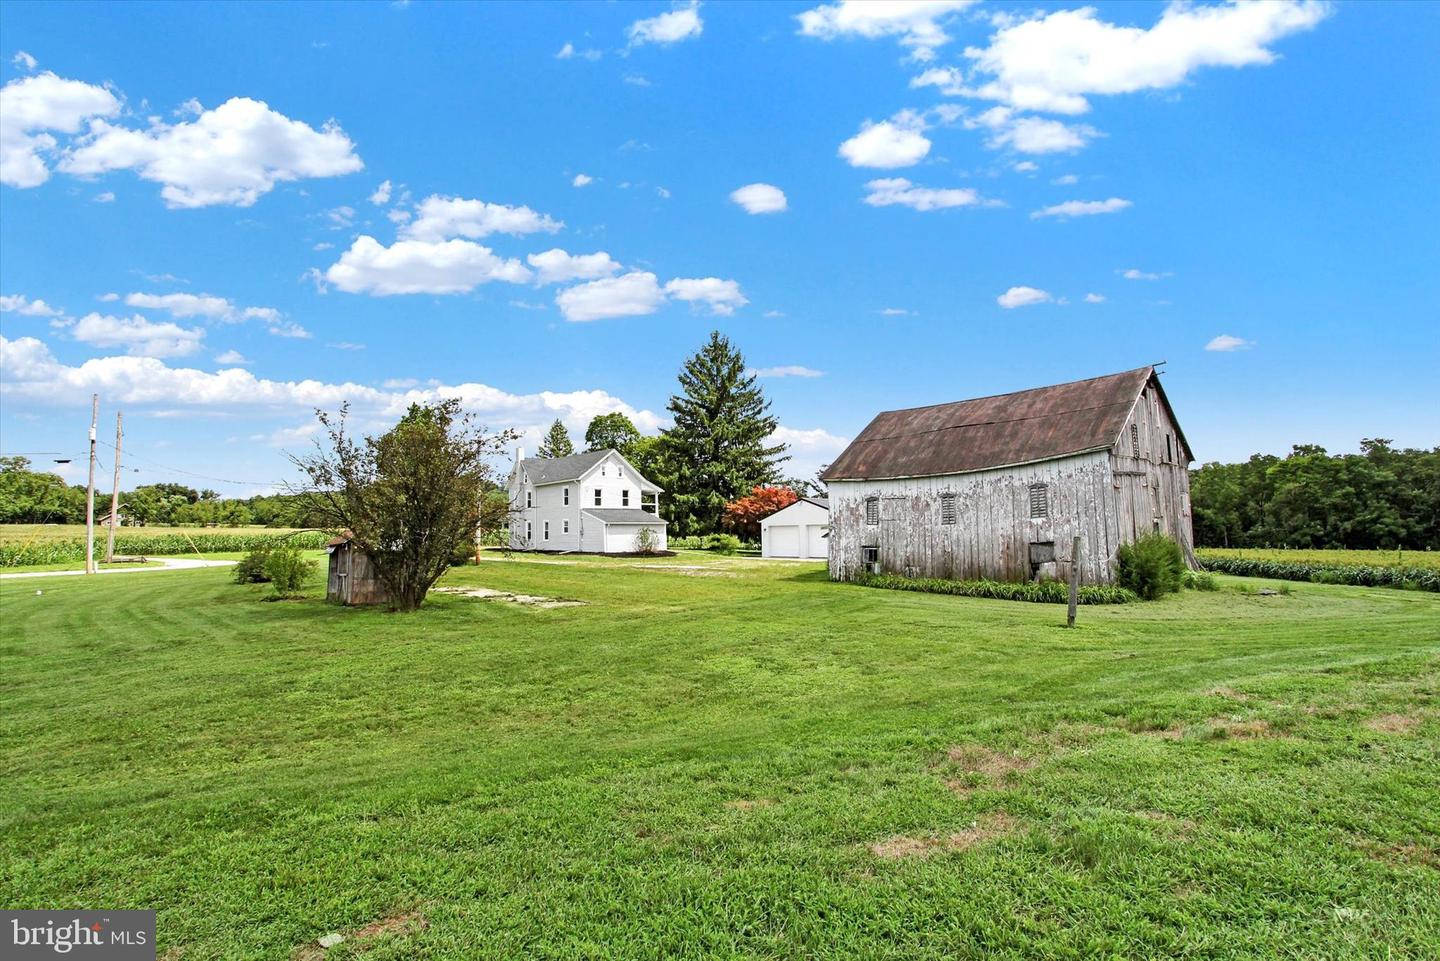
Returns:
(744, 514)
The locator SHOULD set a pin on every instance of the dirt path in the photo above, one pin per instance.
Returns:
(167, 564)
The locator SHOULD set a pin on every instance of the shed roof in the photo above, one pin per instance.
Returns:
(623, 515)
(1004, 430)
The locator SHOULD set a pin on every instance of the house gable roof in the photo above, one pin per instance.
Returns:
(560, 470)
(1005, 430)
(821, 502)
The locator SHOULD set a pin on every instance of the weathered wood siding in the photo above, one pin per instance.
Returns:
(1152, 475)
(993, 529)
(352, 579)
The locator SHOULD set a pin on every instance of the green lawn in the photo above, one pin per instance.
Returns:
(738, 761)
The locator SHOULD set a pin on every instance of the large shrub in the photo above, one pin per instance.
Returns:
(647, 541)
(1151, 567)
(722, 543)
(287, 569)
(250, 569)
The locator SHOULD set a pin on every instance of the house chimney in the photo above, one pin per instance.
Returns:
(519, 454)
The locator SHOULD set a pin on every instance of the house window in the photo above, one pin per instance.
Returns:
(565, 494)
(597, 497)
(1039, 500)
(1135, 440)
(947, 508)
(529, 531)
(625, 498)
(872, 510)
(565, 526)
(1169, 450)
(529, 498)
(545, 530)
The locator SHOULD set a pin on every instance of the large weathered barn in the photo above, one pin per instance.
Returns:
(997, 487)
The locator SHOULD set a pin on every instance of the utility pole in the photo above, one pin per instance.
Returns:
(1074, 581)
(90, 490)
(114, 494)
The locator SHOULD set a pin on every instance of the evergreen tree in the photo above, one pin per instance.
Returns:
(611, 432)
(556, 442)
(716, 451)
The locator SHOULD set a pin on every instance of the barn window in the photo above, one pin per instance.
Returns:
(625, 498)
(597, 497)
(870, 558)
(565, 493)
(947, 508)
(1039, 500)
(529, 498)
(1169, 450)
(872, 510)
(545, 530)
(1135, 440)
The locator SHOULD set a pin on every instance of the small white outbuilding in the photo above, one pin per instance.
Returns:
(801, 530)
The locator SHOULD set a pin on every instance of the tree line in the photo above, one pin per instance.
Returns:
(1379, 499)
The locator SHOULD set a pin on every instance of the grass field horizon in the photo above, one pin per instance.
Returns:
(719, 758)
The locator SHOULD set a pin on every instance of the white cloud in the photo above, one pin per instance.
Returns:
(24, 61)
(33, 105)
(340, 217)
(1135, 273)
(322, 246)
(1081, 208)
(19, 304)
(233, 154)
(381, 196)
(679, 24)
(1052, 63)
(1066, 180)
(558, 267)
(898, 190)
(231, 358)
(294, 331)
(790, 370)
(104, 197)
(760, 199)
(662, 193)
(399, 383)
(582, 180)
(199, 305)
(916, 23)
(1094, 298)
(636, 80)
(1023, 297)
(897, 142)
(1228, 342)
(774, 313)
(1026, 167)
(568, 52)
(28, 369)
(420, 267)
(722, 296)
(808, 441)
(440, 218)
(631, 295)
(1032, 135)
(895, 312)
(140, 337)
(527, 305)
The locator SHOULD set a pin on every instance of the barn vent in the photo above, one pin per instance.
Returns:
(872, 510)
(947, 508)
(1039, 500)
(1135, 439)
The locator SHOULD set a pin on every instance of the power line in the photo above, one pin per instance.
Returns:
(154, 465)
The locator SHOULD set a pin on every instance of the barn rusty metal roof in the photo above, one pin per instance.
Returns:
(1000, 431)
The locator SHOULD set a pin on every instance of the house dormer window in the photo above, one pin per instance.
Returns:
(597, 497)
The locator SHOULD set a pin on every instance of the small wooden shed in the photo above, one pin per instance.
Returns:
(352, 579)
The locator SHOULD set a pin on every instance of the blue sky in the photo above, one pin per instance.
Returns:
(217, 207)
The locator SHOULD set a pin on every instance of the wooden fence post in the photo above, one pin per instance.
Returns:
(1074, 581)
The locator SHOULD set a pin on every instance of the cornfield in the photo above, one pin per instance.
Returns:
(1037, 592)
(172, 542)
(1408, 578)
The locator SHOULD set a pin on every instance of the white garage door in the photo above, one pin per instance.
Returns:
(785, 541)
(819, 543)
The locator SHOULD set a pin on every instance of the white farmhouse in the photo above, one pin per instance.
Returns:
(594, 502)
(801, 530)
